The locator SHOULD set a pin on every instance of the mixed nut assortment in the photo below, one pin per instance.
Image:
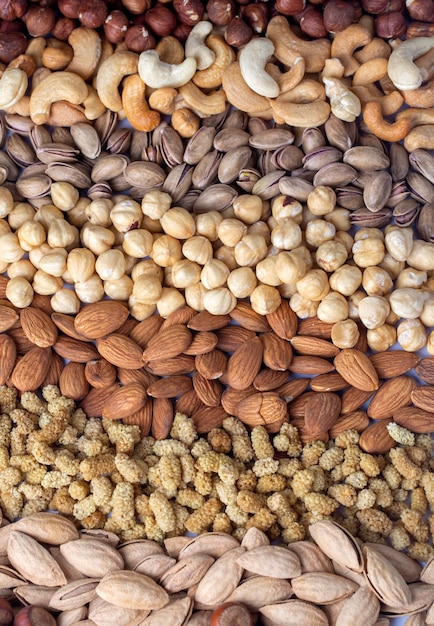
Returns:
(216, 221)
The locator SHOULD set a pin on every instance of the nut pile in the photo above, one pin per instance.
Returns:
(331, 579)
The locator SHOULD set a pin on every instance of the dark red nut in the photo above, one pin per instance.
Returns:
(34, 616)
(181, 32)
(12, 9)
(420, 29)
(256, 16)
(161, 20)
(11, 46)
(375, 6)
(39, 21)
(338, 15)
(290, 7)
(63, 28)
(390, 25)
(115, 26)
(189, 12)
(312, 23)
(70, 8)
(6, 613)
(397, 5)
(231, 614)
(220, 12)
(137, 7)
(358, 10)
(93, 13)
(421, 10)
(16, 26)
(237, 32)
(138, 39)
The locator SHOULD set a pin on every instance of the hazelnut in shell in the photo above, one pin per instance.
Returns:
(161, 20)
(220, 12)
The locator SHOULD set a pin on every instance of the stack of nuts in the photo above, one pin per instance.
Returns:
(216, 304)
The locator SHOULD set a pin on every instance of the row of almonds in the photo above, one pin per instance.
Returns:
(89, 577)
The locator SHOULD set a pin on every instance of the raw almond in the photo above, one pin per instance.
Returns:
(206, 321)
(100, 373)
(141, 418)
(188, 403)
(357, 420)
(393, 362)
(307, 365)
(353, 399)
(244, 364)
(180, 316)
(124, 401)
(120, 351)
(283, 321)
(232, 397)
(269, 379)
(392, 394)
(277, 353)
(314, 327)
(425, 370)
(162, 417)
(72, 381)
(206, 418)
(8, 355)
(314, 346)
(141, 376)
(75, 349)
(168, 343)
(422, 396)
(232, 337)
(328, 382)
(65, 323)
(55, 369)
(146, 329)
(100, 318)
(211, 365)
(321, 412)
(297, 407)
(375, 439)
(8, 317)
(31, 370)
(97, 397)
(416, 420)
(261, 409)
(209, 391)
(202, 343)
(293, 388)
(181, 364)
(246, 317)
(38, 326)
(170, 386)
(356, 368)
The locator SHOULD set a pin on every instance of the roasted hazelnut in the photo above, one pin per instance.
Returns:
(39, 21)
(15, 26)
(375, 6)
(181, 32)
(63, 28)
(312, 23)
(115, 26)
(12, 9)
(11, 46)
(34, 616)
(256, 16)
(419, 29)
(93, 13)
(137, 7)
(189, 12)
(421, 10)
(237, 32)
(161, 20)
(337, 15)
(138, 39)
(6, 613)
(220, 12)
(70, 8)
(396, 5)
(290, 7)
(390, 25)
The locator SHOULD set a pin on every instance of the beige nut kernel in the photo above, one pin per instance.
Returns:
(321, 200)
(241, 282)
(373, 311)
(265, 299)
(333, 308)
(19, 292)
(369, 251)
(314, 285)
(411, 335)
(345, 334)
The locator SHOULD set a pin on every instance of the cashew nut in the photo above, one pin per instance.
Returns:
(195, 45)
(307, 90)
(86, 44)
(376, 49)
(239, 94)
(344, 103)
(156, 73)
(333, 67)
(170, 50)
(304, 115)
(163, 100)
(93, 107)
(110, 75)
(423, 97)
(57, 55)
(13, 85)
(401, 68)
(390, 104)
(24, 62)
(420, 137)
(287, 46)
(374, 120)
(346, 43)
(35, 48)
(22, 107)
(66, 114)
(58, 86)
(425, 63)
(224, 56)
(136, 109)
(417, 117)
(252, 59)
(370, 71)
(203, 104)
(290, 79)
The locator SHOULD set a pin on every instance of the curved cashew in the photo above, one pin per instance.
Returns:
(290, 79)
(163, 100)
(110, 75)
(86, 45)
(35, 48)
(93, 107)
(66, 114)
(156, 73)
(57, 86)
(287, 46)
(344, 103)
(22, 107)
(135, 107)
(57, 55)
(376, 49)
(402, 70)
(107, 51)
(370, 71)
(417, 117)
(390, 104)
(13, 85)
(374, 120)
(203, 104)
(306, 91)
(224, 56)
(422, 97)
(333, 67)
(303, 115)
(195, 45)
(170, 50)
(252, 59)
(346, 43)
(420, 137)
(425, 63)
(239, 94)
(23, 62)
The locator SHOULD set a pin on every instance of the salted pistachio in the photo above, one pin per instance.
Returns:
(199, 145)
(338, 544)
(105, 124)
(312, 138)
(19, 150)
(297, 188)
(144, 174)
(86, 139)
(55, 152)
(16, 123)
(420, 187)
(12, 168)
(269, 185)
(232, 163)
(178, 181)
(340, 134)
(406, 212)
(316, 159)
(349, 197)
(34, 186)
(108, 167)
(366, 158)
(335, 175)
(368, 219)
(425, 222)
(271, 139)
(247, 178)
(205, 172)
(229, 138)
(423, 162)
(171, 146)
(384, 579)
(399, 193)
(399, 162)
(216, 197)
(74, 594)
(377, 190)
(99, 190)
(119, 140)
(77, 174)
(287, 158)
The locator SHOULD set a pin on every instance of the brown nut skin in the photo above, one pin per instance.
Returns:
(220, 12)
(11, 46)
(115, 26)
(375, 6)
(422, 10)
(34, 616)
(237, 32)
(15, 26)
(231, 614)
(189, 12)
(390, 25)
(6, 613)
(256, 16)
(181, 32)
(12, 9)
(138, 38)
(137, 7)
(93, 13)
(312, 23)
(337, 15)
(290, 7)
(63, 28)
(161, 20)
(39, 21)
(420, 29)
(69, 8)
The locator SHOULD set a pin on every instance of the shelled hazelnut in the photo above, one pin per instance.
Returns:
(220, 12)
